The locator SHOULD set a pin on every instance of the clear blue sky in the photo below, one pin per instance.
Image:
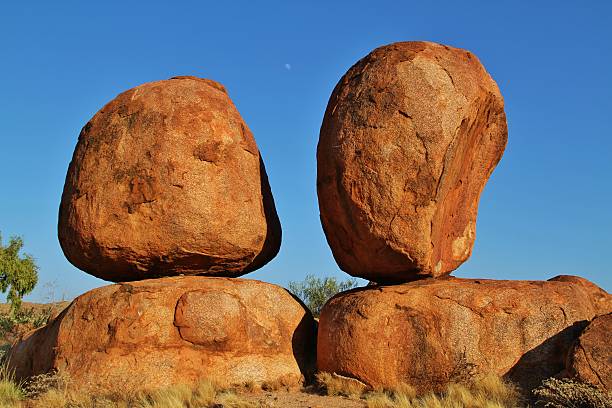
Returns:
(547, 210)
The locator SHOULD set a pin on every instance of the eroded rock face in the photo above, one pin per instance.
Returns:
(435, 331)
(166, 179)
(590, 360)
(155, 333)
(411, 134)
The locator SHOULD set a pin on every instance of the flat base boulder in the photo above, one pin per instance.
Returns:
(591, 357)
(155, 333)
(432, 332)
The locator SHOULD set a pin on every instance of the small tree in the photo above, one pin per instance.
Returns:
(18, 274)
(315, 292)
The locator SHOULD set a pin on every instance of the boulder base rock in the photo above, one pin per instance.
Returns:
(155, 333)
(431, 332)
(591, 357)
(410, 136)
(166, 179)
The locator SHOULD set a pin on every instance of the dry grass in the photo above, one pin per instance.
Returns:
(52, 391)
(11, 391)
(231, 400)
(483, 392)
(334, 384)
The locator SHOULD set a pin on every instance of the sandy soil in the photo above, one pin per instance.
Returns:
(296, 399)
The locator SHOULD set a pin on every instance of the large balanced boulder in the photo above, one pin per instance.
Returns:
(166, 179)
(590, 360)
(155, 333)
(431, 332)
(410, 136)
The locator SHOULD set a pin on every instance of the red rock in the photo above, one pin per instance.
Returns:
(590, 360)
(410, 136)
(155, 333)
(166, 179)
(431, 332)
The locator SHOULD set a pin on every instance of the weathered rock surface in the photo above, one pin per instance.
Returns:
(158, 332)
(411, 134)
(166, 179)
(435, 331)
(590, 360)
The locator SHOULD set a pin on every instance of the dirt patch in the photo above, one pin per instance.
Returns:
(299, 399)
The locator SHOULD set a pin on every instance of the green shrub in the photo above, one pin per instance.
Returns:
(14, 323)
(18, 274)
(315, 292)
(554, 393)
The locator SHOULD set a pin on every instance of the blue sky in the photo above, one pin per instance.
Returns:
(546, 210)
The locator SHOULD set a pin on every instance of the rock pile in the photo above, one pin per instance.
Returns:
(168, 194)
(410, 136)
(167, 180)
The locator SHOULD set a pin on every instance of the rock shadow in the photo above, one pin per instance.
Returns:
(304, 343)
(273, 238)
(545, 360)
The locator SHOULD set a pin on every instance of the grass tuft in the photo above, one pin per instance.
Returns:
(204, 393)
(11, 392)
(334, 384)
(229, 399)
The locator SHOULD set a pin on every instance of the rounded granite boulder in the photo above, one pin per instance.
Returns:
(590, 359)
(410, 137)
(166, 179)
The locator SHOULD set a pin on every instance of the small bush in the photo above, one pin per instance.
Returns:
(39, 384)
(315, 292)
(554, 393)
(15, 323)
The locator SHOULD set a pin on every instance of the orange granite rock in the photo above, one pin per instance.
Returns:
(410, 136)
(431, 332)
(159, 332)
(166, 179)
